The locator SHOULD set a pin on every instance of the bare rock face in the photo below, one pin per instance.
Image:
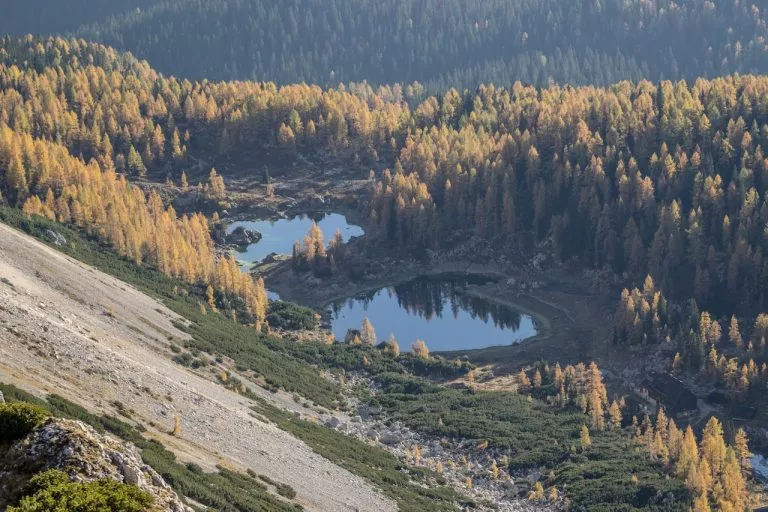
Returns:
(85, 455)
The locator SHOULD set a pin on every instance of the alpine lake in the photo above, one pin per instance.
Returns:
(439, 309)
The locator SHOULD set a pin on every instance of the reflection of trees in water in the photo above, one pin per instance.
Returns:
(429, 298)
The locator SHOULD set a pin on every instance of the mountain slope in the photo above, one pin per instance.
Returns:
(440, 43)
(70, 329)
(45, 17)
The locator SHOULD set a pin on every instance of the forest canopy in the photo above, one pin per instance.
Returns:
(439, 43)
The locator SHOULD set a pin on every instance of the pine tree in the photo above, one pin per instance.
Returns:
(701, 504)
(677, 363)
(537, 493)
(614, 412)
(734, 333)
(135, 163)
(285, 136)
(16, 177)
(392, 346)
(494, 470)
(523, 381)
(705, 475)
(470, 380)
(596, 411)
(210, 297)
(713, 447)
(689, 453)
(416, 454)
(553, 495)
(558, 377)
(694, 481)
(420, 349)
(216, 185)
(584, 439)
(733, 484)
(316, 236)
(367, 333)
(741, 447)
(176, 149)
(537, 379)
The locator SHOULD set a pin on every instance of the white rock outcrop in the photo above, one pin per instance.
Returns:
(85, 455)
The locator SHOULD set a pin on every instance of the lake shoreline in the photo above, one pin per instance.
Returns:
(439, 309)
(554, 297)
(322, 294)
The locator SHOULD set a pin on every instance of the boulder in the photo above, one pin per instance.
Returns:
(535, 476)
(389, 439)
(367, 411)
(242, 237)
(55, 238)
(364, 411)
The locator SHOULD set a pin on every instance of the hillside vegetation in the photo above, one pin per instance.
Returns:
(440, 43)
(665, 180)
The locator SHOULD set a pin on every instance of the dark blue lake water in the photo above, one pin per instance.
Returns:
(436, 310)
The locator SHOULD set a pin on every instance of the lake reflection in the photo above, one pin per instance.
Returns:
(433, 309)
(278, 235)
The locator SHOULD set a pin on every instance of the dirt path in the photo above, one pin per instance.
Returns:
(68, 328)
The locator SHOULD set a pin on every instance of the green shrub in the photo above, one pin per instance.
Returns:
(52, 490)
(282, 489)
(184, 359)
(285, 491)
(13, 394)
(287, 315)
(17, 419)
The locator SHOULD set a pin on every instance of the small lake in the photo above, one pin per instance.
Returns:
(436, 310)
(278, 235)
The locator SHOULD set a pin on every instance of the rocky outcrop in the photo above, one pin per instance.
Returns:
(243, 237)
(55, 238)
(85, 455)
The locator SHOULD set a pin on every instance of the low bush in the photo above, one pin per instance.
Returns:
(17, 419)
(282, 489)
(52, 490)
(287, 315)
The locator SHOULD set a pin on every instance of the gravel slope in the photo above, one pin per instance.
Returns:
(56, 336)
